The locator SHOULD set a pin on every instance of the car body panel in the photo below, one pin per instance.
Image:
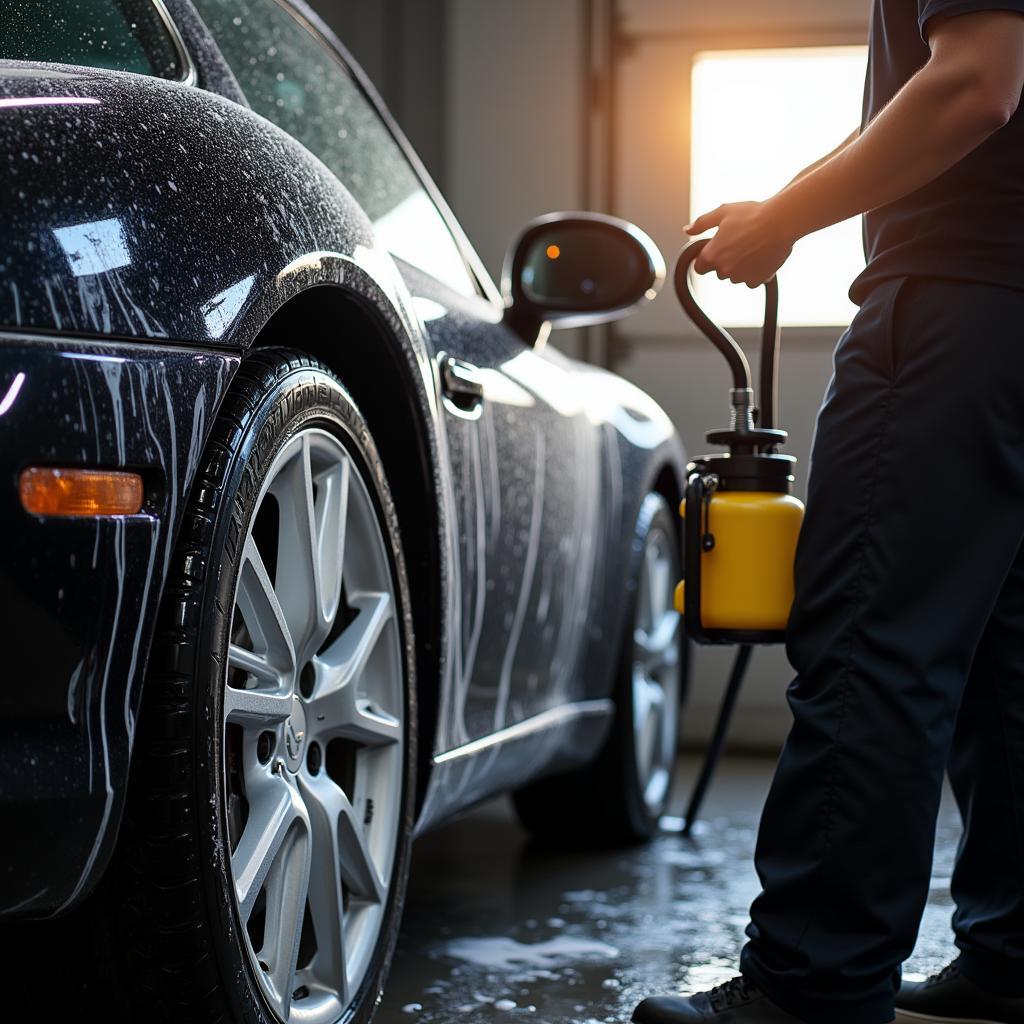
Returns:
(564, 723)
(525, 468)
(80, 595)
(127, 301)
(128, 256)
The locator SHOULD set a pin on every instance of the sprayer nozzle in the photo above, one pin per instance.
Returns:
(742, 417)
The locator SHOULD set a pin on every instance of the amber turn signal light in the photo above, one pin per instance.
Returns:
(46, 491)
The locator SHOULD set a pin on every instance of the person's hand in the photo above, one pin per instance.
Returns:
(749, 247)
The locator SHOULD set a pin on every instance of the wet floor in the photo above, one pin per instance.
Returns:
(497, 929)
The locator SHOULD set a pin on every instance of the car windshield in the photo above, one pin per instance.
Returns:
(122, 35)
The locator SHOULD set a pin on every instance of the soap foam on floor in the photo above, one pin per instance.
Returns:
(504, 954)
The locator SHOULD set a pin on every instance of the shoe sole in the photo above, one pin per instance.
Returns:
(908, 1017)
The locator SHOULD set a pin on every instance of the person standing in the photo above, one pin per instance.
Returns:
(907, 629)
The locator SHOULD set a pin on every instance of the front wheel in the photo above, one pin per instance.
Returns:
(262, 866)
(621, 797)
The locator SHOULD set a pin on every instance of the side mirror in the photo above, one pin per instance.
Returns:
(576, 270)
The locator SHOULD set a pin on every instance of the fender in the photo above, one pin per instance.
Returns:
(194, 218)
(641, 453)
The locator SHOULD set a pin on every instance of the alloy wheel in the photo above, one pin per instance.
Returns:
(314, 731)
(656, 671)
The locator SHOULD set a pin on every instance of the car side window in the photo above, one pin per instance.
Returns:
(292, 78)
(122, 35)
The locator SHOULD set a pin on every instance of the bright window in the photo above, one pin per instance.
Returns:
(760, 116)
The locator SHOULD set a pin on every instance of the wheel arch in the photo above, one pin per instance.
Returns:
(361, 350)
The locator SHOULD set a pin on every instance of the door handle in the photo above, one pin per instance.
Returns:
(460, 382)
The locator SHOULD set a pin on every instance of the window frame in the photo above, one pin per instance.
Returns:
(190, 75)
(308, 19)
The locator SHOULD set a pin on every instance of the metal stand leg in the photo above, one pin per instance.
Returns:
(717, 745)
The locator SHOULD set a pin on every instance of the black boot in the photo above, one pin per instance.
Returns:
(735, 1002)
(950, 997)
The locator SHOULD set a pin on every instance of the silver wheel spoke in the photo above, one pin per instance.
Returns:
(263, 617)
(641, 699)
(287, 888)
(331, 513)
(272, 815)
(251, 663)
(660, 585)
(298, 575)
(256, 707)
(336, 710)
(358, 872)
(658, 647)
(371, 727)
(648, 705)
(325, 899)
(650, 597)
(656, 671)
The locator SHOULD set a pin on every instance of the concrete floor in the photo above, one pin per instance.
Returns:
(497, 929)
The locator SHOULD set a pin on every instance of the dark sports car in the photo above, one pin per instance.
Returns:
(308, 540)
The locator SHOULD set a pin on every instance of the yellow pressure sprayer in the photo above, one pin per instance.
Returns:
(740, 520)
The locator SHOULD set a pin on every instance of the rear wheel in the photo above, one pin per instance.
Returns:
(620, 798)
(263, 860)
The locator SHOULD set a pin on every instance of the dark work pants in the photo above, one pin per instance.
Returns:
(907, 636)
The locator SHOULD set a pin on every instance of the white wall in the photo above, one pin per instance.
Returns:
(750, 17)
(515, 84)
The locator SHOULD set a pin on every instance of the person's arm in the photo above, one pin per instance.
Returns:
(969, 88)
(852, 137)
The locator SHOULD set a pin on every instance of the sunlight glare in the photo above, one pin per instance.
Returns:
(759, 117)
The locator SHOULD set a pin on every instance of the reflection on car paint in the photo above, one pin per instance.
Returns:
(515, 471)
(46, 101)
(220, 311)
(94, 247)
(11, 395)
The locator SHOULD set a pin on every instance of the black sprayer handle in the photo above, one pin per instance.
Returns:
(727, 344)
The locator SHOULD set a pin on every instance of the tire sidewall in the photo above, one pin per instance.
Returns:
(305, 397)
(654, 513)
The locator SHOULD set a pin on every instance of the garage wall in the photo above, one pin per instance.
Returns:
(515, 97)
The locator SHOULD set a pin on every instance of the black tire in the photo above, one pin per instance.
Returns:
(602, 804)
(164, 922)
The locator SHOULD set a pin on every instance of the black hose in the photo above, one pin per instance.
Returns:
(717, 744)
(768, 392)
(722, 340)
(726, 344)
